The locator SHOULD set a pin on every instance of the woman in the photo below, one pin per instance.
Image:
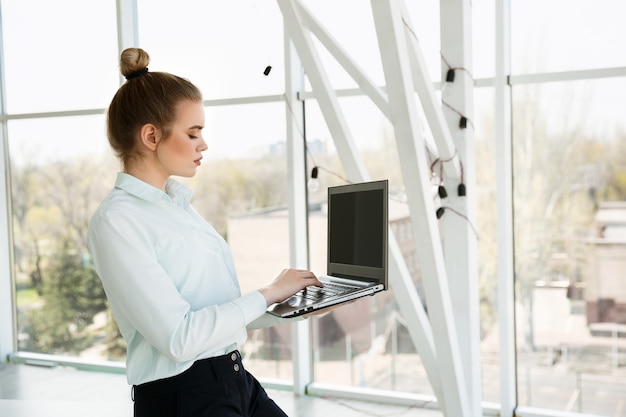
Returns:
(168, 275)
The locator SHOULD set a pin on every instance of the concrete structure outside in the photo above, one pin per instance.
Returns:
(605, 286)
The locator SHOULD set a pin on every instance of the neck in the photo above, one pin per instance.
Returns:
(152, 176)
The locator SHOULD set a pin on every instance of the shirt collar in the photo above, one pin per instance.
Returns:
(174, 190)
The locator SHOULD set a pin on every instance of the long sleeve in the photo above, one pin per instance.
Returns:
(144, 294)
(269, 320)
(171, 284)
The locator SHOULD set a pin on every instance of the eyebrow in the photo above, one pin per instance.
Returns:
(196, 127)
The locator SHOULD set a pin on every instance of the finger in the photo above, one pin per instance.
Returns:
(310, 276)
(317, 282)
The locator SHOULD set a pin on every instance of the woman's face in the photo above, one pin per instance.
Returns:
(180, 153)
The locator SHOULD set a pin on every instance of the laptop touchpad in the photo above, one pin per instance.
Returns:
(298, 302)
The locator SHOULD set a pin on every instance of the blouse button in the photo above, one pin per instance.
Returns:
(236, 367)
(233, 357)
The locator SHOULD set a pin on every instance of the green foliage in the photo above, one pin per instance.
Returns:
(27, 296)
(615, 189)
(72, 295)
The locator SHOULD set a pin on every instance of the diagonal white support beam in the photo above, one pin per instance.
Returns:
(460, 242)
(446, 149)
(423, 85)
(406, 294)
(415, 170)
(324, 93)
(374, 92)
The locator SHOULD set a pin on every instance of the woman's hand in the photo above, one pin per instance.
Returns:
(287, 283)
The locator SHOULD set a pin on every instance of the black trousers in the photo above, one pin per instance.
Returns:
(216, 387)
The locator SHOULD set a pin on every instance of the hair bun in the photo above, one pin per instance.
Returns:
(134, 62)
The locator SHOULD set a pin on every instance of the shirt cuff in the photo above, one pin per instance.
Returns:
(252, 305)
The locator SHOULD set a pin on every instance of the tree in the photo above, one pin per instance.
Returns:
(55, 202)
(554, 169)
(72, 296)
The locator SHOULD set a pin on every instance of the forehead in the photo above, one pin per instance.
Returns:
(190, 114)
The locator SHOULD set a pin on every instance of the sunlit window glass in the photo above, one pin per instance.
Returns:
(241, 190)
(566, 35)
(222, 47)
(57, 180)
(355, 32)
(570, 217)
(59, 55)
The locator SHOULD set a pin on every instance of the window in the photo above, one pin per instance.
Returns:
(58, 178)
(68, 63)
(222, 47)
(566, 35)
(569, 168)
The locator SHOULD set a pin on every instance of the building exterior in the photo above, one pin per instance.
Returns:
(605, 287)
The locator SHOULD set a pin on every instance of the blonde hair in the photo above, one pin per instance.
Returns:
(146, 97)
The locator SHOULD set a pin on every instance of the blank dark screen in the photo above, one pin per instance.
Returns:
(356, 229)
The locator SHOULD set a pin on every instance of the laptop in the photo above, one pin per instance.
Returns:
(358, 223)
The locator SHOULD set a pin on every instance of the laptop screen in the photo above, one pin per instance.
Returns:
(357, 231)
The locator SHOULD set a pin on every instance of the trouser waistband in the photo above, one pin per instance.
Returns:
(204, 370)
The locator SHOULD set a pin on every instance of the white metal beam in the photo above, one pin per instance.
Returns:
(460, 241)
(446, 149)
(375, 93)
(298, 230)
(504, 202)
(324, 93)
(415, 169)
(127, 34)
(8, 342)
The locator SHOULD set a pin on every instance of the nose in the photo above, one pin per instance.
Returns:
(203, 146)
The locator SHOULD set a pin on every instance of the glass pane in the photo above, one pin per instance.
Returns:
(570, 164)
(222, 47)
(242, 192)
(360, 42)
(487, 247)
(483, 39)
(67, 62)
(267, 352)
(57, 180)
(247, 131)
(565, 35)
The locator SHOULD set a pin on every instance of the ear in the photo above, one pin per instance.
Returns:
(149, 135)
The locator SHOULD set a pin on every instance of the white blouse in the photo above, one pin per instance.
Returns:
(170, 280)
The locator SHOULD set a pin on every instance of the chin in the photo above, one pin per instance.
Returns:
(186, 174)
(189, 173)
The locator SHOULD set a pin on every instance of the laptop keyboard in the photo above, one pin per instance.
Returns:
(316, 293)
